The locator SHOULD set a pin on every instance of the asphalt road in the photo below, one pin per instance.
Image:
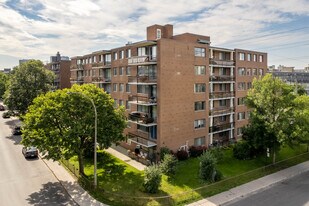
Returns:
(25, 181)
(294, 191)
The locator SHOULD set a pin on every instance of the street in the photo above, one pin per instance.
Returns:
(25, 181)
(294, 191)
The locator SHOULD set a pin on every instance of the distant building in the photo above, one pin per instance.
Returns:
(306, 69)
(21, 61)
(6, 70)
(283, 68)
(60, 65)
(272, 68)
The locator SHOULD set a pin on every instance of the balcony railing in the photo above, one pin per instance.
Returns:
(220, 78)
(218, 128)
(141, 117)
(142, 79)
(97, 64)
(221, 110)
(101, 79)
(214, 95)
(142, 99)
(78, 79)
(141, 60)
(222, 62)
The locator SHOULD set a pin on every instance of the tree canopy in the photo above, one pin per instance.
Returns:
(274, 120)
(27, 81)
(61, 123)
(4, 80)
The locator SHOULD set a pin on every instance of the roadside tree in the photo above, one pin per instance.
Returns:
(4, 80)
(61, 123)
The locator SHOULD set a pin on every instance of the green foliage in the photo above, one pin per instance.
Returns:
(208, 167)
(152, 178)
(182, 155)
(26, 83)
(242, 150)
(164, 151)
(217, 152)
(61, 123)
(168, 165)
(4, 81)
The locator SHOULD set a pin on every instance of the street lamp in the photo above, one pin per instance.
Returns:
(95, 135)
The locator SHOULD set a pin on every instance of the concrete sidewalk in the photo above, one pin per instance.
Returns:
(249, 188)
(77, 193)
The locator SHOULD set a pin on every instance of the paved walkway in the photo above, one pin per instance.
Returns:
(245, 190)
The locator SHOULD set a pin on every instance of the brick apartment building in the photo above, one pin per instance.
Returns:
(178, 90)
(60, 65)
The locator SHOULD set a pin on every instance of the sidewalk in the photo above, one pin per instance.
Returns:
(249, 188)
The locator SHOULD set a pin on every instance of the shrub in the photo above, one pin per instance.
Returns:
(168, 165)
(242, 150)
(207, 167)
(164, 151)
(217, 153)
(182, 155)
(196, 151)
(152, 178)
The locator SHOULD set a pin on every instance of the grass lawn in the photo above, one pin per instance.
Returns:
(121, 182)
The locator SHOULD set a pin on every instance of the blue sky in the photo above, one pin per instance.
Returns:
(38, 29)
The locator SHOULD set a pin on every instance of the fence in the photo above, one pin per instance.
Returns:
(192, 195)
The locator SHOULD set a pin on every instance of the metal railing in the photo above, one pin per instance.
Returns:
(221, 110)
(142, 79)
(220, 78)
(222, 62)
(141, 59)
(214, 95)
(147, 99)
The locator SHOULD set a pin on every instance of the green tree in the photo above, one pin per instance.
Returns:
(27, 82)
(273, 119)
(168, 165)
(61, 123)
(152, 178)
(4, 80)
(208, 169)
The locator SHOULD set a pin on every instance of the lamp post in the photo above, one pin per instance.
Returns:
(95, 135)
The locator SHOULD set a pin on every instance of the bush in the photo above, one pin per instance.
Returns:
(168, 165)
(152, 178)
(242, 150)
(196, 151)
(164, 151)
(182, 155)
(217, 153)
(208, 170)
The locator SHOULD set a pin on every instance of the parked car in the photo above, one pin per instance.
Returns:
(30, 151)
(17, 130)
(2, 107)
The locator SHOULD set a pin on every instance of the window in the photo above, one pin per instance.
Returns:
(200, 123)
(223, 87)
(254, 72)
(222, 102)
(241, 86)
(199, 141)
(121, 70)
(94, 58)
(222, 71)
(128, 88)
(248, 71)
(90, 60)
(261, 58)
(222, 118)
(141, 51)
(128, 71)
(128, 105)
(93, 72)
(120, 102)
(249, 57)
(241, 100)
(239, 131)
(159, 33)
(199, 88)
(114, 87)
(121, 87)
(128, 53)
(115, 55)
(242, 56)
(115, 71)
(221, 56)
(198, 106)
(121, 54)
(200, 70)
(108, 59)
(249, 85)
(199, 52)
(241, 116)
(254, 57)
(241, 71)
(142, 89)
(261, 72)
(101, 58)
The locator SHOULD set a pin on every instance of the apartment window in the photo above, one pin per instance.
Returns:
(199, 141)
(90, 60)
(128, 88)
(223, 87)
(121, 70)
(108, 59)
(221, 56)
(128, 53)
(241, 86)
(241, 71)
(115, 71)
(141, 51)
(93, 72)
(199, 52)
(261, 58)
(128, 71)
(222, 118)
(120, 102)
(198, 106)
(87, 61)
(115, 55)
(128, 105)
(114, 87)
(241, 115)
(249, 57)
(242, 56)
(121, 87)
(200, 70)
(199, 88)
(222, 71)
(159, 33)
(142, 89)
(241, 100)
(254, 72)
(248, 71)
(101, 58)
(254, 57)
(121, 54)
(94, 58)
(239, 131)
(249, 85)
(261, 72)
(222, 102)
(200, 123)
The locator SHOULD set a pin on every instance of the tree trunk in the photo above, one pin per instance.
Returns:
(81, 164)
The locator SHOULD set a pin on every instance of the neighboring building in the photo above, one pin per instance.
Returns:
(21, 61)
(60, 65)
(178, 90)
(6, 70)
(272, 68)
(283, 68)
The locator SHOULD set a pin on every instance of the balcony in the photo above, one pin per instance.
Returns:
(101, 79)
(150, 79)
(221, 110)
(143, 99)
(221, 78)
(142, 118)
(97, 64)
(227, 63)
(77, 80)
(220, 128)
(218, 95)
(140, 60)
